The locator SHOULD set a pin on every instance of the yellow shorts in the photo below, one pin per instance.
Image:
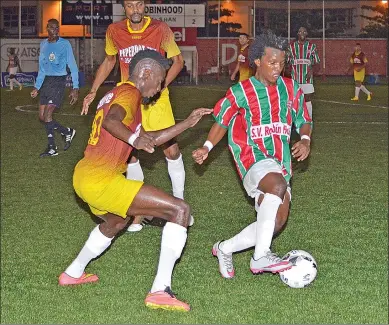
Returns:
(359, 75)
(104, 191)
(159, 115)
(244, 75)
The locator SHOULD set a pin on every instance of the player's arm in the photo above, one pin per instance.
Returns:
(224, 111)
(236, 70)
(216, 133)
(178, 63)
(169, 45)
(71, 62)
(163, 136)
(113, 123)
(103, 71)
(303, 122)
(41, 76)
(41, 73)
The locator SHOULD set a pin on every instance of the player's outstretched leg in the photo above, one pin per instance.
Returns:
(226, 267)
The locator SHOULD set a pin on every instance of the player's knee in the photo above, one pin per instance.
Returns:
(274, 183)
(172, 151)
(182, 213)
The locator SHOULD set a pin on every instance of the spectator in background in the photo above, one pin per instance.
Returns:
(358, 62)
(13, 68)
(242, 64)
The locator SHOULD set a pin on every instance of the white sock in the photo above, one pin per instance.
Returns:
(96, 244)
(364, 89)
(172, 244)
(135, 172)
(11, 84)
(176, 172)
(266, 221)
(245, 239)
(357, 89)
(309, 107)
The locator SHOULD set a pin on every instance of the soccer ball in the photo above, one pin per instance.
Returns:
(303, 271)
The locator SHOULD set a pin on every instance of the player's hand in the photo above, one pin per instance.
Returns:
(301, 149)
(34, 93)
(73, 96)
(199, 155)
(196, 115)
(87, 101)
(145, 142)
(233, 76)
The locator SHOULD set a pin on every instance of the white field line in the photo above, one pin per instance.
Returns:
(319, 100)
(23, 108)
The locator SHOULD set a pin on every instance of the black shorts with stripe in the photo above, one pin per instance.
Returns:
(52, 90)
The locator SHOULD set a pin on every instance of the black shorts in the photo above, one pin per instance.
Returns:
(52, 90)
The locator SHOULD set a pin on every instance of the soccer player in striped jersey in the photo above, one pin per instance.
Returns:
(358, 61)
(258, 114)
(303, 56)
(98, 179)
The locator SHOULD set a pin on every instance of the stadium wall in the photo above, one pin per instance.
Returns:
(338, 52)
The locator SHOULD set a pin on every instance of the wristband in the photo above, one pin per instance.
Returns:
(208, 144)
(132, 139)
(305, 137)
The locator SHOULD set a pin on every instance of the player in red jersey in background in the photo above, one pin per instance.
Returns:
(125, 38)
(258, 114)
(358, 61)
(303, 57)
(98, 179)
(242, 63)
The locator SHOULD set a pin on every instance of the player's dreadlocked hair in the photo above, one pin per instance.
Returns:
(147, 54)
(266, 39)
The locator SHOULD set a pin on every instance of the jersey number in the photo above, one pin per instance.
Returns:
(96, 128)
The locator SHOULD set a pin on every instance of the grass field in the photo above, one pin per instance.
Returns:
(339, 214)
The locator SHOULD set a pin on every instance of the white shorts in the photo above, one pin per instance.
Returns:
(255, 174)
(307, 88)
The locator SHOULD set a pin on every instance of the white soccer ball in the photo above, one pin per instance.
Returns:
(303, 271)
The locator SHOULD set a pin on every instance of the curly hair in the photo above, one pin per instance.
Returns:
(152, 56)
(261, 42)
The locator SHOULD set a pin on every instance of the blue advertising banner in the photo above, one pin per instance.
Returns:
(27, 79)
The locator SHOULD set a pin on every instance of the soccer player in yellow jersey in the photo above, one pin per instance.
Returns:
(358, 61)
(98, 178)
(242, 64)
(124, 39)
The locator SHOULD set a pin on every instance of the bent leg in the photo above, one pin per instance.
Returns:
(155, 202)
(99, 240)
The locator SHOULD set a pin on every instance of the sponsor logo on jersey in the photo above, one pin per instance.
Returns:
(265, 130)
(302, 61)
(128, 53)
